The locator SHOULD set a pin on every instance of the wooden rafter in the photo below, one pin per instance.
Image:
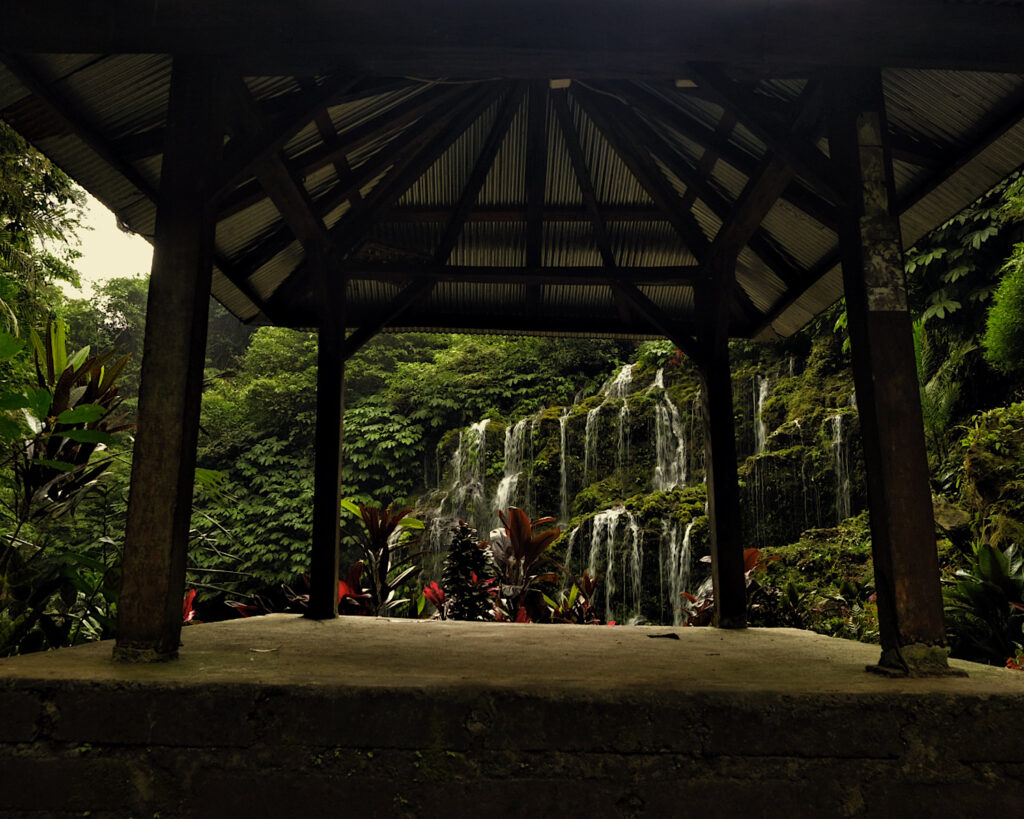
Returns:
(78, 123)
(536, 170)
(478, 175)
(484, 274)
(579, 166)
(243, 153)
(394, 119)
(699, 186)
(411, 296)
(503, 214)
(329, 137)
(278, 111)
(391, 155)
(656, 107)
(272, 170)
(431, 143)
(765, 186)
(646, 173)
(801, 153)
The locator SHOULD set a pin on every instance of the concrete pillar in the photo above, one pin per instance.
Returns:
(163, 468)
(888, 398)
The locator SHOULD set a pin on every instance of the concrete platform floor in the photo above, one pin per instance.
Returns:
(280, 716)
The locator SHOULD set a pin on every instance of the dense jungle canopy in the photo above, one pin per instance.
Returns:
(602, 436)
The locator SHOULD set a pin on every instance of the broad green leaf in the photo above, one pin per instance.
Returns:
(13, 401)
(39, 401)
(60, 466)
(10, 429)
(84, 414)
(78, 358)
(411, 523)
(9, 346)
(350, 506)
(88, 436)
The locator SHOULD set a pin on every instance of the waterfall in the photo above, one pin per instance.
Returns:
(563, 423)
(678, 568)
(619, 386)
(604, 538)
(841, 461)
(570, 576)
(509, 489)
(590, 443)
(669, 441)
(464, 496)
(622, 453)
(760, 396)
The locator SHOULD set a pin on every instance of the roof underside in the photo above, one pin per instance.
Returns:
(498, 204)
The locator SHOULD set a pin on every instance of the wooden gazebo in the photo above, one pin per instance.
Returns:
(629, 168)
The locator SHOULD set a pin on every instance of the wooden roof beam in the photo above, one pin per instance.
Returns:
(410, 296)
(478, 175)
(77, 122)
(655, 107)
(579, 166)
(394, 119)
(268, 37)
(353, 229)
(288, 194)
(800, 152)
(248, 148)
(647, 174)
(490, 274)
(698, 186)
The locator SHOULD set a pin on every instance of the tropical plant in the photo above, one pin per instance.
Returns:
(575, 606)
(985, 606)
(518, 554)
(468, 576)
(55, 433)
(388, 544)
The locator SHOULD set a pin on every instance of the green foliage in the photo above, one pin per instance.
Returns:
(40, 209)
(468, 576)
(985, 606)
(1004, 330)
(387, 540)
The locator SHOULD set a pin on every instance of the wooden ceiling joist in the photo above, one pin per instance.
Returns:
(77, 122)
(647, 174)
(489, 274)
(657, 108)
(478, 175)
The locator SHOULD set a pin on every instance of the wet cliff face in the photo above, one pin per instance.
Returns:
(623, 469)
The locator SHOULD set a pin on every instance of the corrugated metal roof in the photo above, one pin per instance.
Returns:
(967, 123)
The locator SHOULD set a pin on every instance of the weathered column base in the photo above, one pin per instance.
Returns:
(131, 654)
(915, 660)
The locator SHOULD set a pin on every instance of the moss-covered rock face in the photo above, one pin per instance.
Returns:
(623, 469)
(993, 484)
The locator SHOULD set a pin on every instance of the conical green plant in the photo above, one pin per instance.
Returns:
(468, 576)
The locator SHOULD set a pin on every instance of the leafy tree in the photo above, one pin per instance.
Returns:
(40, 210)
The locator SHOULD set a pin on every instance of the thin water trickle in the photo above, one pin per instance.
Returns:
(761, 384)
(563, 423)
(841, 465)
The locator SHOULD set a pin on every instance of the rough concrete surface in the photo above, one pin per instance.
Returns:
(279, 716)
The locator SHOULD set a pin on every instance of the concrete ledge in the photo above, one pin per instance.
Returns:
(278, 716)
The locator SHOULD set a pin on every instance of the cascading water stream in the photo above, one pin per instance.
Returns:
(563, 423)
(669, 441)
(761, 384)
(678, 568)
(841, 462)
(509, 491)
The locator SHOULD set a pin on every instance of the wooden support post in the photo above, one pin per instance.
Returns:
(720, 446)
(163, 469)
(330, 411)
(902, 523)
